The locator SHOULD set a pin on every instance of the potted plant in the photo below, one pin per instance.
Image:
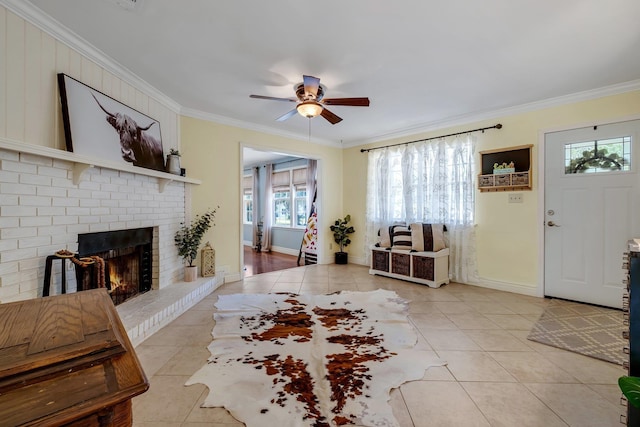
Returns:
(173, 161)
(341, 230)
(630, 387)
(188, 238)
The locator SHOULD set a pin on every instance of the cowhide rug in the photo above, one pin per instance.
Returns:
(311, 360)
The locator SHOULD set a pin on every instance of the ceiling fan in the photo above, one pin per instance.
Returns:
(311, 101)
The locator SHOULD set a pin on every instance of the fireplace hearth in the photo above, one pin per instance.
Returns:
(127, 256)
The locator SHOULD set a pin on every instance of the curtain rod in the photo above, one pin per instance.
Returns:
(498, 126)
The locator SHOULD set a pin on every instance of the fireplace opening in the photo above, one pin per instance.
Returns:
(127, 259)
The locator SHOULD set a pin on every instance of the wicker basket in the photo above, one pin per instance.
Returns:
(401, 264)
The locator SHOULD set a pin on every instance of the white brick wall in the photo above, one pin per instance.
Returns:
(42, 211)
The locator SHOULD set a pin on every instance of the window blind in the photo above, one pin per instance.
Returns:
(247, 182)
(299, 176)
(280, 179)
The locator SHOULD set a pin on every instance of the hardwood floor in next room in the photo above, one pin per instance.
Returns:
(266, 262)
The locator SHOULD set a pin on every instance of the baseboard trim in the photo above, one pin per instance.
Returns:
(359, 261)
(286, 251)
(233, 277)
(515, 288)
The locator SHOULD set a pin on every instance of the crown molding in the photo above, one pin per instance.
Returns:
(57, 30)
(587, 95)
(215, 118)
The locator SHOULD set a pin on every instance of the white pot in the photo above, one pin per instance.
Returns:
(173, 164)
(190, 273)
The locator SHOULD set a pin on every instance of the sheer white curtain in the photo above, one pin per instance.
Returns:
(255, 197)
(432, 182)
(267, 208)
(312, 168)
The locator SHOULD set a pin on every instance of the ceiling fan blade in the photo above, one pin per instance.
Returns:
(354, 102)
(286, 116)
(273, 98)
(331, 118)
(311, 85)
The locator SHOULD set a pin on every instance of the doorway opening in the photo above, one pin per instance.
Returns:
(280, 200)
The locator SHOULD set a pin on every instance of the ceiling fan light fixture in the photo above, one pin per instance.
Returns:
(309, 109)
(310, 93)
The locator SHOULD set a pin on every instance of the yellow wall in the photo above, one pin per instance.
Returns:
(211, 152)
(507, 234)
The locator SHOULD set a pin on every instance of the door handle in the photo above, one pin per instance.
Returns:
(552, 224)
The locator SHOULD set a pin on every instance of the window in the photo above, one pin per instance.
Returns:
(248, 207)
(604, 156)
(247, 200)
(423, 182)
(395, 183)
(301, 206)
(429, 181)
(282, 208)
(290, 198)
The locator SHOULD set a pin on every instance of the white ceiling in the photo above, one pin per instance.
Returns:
(252, 157)
(422, 63)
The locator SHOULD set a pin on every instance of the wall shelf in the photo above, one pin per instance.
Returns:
(81, 163)
(518, 180)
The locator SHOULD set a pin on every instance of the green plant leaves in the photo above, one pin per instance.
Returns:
(630, 387)
(341, 231)
(188, 237)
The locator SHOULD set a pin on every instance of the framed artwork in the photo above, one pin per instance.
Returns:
(96, 125)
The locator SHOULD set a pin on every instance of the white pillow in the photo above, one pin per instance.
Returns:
(384, 238)
(427, 237)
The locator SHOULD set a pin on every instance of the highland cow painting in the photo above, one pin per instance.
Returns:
(98, 126)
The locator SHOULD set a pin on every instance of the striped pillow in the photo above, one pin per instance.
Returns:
(427, 237)
(384, 235)
(401, 237)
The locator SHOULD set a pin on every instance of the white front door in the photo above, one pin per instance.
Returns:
(590, 215)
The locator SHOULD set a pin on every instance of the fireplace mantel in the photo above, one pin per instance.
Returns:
(82, 163)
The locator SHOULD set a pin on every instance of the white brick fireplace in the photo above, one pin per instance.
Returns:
(48, 197)
(42, 211)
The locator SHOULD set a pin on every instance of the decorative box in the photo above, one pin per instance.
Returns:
(503, 180)
(487, 181)
(503, 171)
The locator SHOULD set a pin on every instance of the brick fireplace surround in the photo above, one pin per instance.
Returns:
(42, 211)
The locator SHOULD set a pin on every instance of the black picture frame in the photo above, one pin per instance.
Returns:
(98, 126)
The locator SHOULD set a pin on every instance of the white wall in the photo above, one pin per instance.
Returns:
(41, 210)
(29, 102)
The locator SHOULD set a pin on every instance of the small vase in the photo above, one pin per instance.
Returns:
(173, 164)
(190, 273)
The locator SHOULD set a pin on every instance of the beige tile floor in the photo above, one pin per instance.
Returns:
(494, 376)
